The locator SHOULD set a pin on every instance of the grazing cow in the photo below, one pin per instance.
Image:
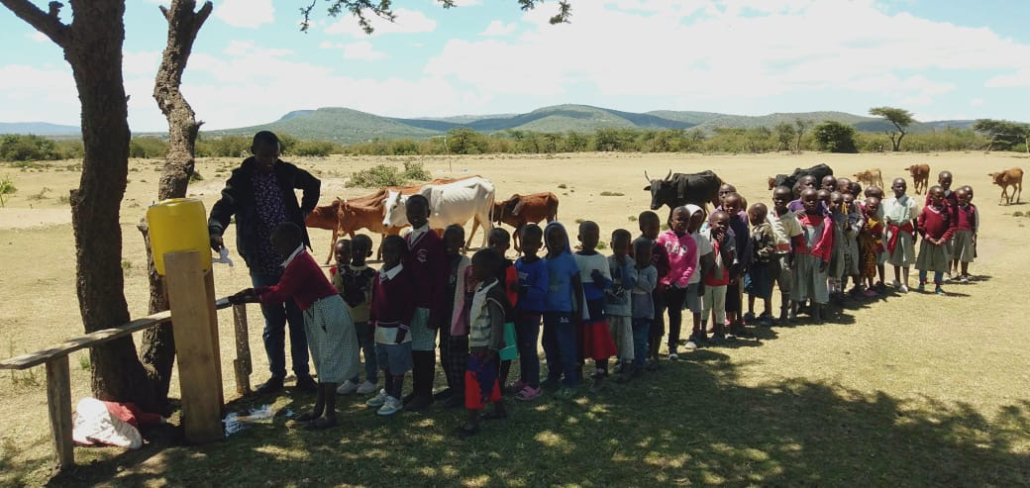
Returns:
(818, 171)
(920, 177)
(870, 177)
(452, 203)
(680, 189)
(1010, 177)
(520, 210)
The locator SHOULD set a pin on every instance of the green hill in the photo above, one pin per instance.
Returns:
(349, 126)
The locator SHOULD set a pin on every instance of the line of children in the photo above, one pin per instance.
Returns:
(594, 306)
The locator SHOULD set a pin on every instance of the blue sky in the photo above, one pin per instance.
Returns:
(941, 59)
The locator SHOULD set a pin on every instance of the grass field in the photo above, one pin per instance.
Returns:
(912, 390)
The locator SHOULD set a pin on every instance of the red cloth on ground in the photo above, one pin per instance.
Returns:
(132, 415)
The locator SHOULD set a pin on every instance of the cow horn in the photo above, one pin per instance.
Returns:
(646, 176)
(668, 176)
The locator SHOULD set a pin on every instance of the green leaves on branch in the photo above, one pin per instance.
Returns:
(366, 10)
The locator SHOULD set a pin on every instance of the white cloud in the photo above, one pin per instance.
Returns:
(976, 102)
(37, 36)
(1020, 78)
(249, 14)
(142, 63)
(498, 28)
(359, 50)
(720, 52)
(406, 22)
(466, 3)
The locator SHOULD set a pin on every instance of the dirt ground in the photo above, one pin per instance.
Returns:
(969, 348)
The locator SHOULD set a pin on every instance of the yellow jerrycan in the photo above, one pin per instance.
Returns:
(176, 225)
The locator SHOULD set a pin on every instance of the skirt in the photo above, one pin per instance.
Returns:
(962, 247)
(481, 383)
(904, 252)
(332, 340)
(596, 340)
(422, 337)
(809, 283)
(932, 258)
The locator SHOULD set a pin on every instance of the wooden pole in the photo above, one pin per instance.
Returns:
(59, 404)
(193, 306)
(209, 288)
(242, 362)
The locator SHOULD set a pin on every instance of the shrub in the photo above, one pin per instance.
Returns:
(835, 137)
(611, 194)
(196, 176)
(415, 171)
(147, 148)
(313, 148)
(6, 188)
(14, 147)
(377, 176)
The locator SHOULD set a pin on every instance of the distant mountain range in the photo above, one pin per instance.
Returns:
(347, 126)
(38, 128)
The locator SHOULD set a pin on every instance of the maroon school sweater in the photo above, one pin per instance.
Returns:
(936, 222)
(427, 263)
(302, 280)
(391, 306)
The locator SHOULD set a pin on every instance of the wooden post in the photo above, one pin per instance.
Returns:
(209, 287)
(59, 403)
(199, 377)
(242, 362)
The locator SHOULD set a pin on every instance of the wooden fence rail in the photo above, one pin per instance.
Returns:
(58, 374)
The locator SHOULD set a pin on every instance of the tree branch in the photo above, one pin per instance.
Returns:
(47, 23)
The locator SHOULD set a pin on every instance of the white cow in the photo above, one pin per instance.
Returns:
(451, 203)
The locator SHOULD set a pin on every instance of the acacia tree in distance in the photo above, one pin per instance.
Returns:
(901, 119)
(1004, 134)
(802, 125)
(92, 44)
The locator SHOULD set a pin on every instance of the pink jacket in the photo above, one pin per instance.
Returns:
(682, 258)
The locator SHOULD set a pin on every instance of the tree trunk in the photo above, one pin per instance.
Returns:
(94, 52)
(158, 347)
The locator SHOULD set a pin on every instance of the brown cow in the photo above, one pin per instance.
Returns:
(870, 177)
(1010, 177)
(520, 210)
(920, 176)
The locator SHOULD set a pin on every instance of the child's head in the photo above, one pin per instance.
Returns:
(697, 217)
(849, 200)
(962, 196)
(589, 235)
(855, 189)
(944, 180)
(899, 186)
(968, 190)
(836, 200)
(485, 265)
(679, 221)
(829, 183)
(733, 204)
(724, 191)
(642, 248)
(556, 238)
(499, 240)
(343, 251)
(395, 249)
(621, 239)
(286, 238)
(719, 221)
(823, 196)
(936, 195)
(874, 191)
(843, 185)
(757, 213)
(872, 206)
(532, 235)
(454, 239)
(781, 198)
(417, 210)
(810, 199)
(650, 224)
(807, 181)
(361, 249)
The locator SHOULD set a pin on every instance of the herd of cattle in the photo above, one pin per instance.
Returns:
(456, 201)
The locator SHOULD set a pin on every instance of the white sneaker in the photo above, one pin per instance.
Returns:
(392, 406)
(367, 387)
(896, 284)
(947, 276)
(903, 289)
(673, 356)
(347, 387)
(378, 400)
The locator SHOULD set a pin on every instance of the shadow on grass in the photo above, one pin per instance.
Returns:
(693, 422)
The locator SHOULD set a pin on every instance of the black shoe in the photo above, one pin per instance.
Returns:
(307, 384)
(408, 398)
(271, 386)
(419, 403)
(454, 401)
(444, 394)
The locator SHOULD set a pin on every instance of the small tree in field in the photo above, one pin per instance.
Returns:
(784, 135)
(1004, 134)
(901, 119)
(802, 125)
(6, 188)
(836, 137)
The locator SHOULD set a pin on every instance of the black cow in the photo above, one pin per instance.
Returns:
(680, 189)
(819, 171)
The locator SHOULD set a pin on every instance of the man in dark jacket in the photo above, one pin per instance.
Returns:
(260, 193)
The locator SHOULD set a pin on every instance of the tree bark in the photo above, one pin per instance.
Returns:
(158, 346)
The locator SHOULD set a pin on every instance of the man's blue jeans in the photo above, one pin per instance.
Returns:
(276, 317)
